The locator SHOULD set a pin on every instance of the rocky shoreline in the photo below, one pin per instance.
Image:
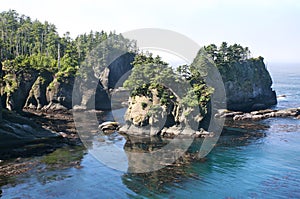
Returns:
(259, 115)
(50, 130)
(59, 130)
(55, 128)
(36, 133)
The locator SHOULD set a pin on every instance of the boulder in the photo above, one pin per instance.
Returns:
(203, 134)
(108, 126)
(54, 107)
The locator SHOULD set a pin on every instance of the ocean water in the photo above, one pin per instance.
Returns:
(261, 161)
(286, 81)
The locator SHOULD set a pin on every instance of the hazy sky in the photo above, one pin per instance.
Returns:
(270, 28)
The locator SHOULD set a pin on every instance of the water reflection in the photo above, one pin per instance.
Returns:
(155, 182)
(122, 151)
(188, 173)
(221, 160)
(147, 154)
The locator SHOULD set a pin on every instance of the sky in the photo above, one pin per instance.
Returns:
(270, 28)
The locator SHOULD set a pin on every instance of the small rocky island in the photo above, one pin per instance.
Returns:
(247, 85)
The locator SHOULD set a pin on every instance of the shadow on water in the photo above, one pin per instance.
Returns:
(151, 184)
(154, 182)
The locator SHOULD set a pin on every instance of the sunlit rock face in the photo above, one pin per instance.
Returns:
(37, 95)
(146, 115)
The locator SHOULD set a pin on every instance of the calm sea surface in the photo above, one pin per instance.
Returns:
(260, 162)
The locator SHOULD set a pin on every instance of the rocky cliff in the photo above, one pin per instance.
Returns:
(247, 81)
(37, 95)
(36, 89)
(17, 86)
(248, 86)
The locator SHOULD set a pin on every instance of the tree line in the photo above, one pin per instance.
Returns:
(27, 43)
(227, 54)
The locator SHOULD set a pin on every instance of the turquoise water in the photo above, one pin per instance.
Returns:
(262, 161)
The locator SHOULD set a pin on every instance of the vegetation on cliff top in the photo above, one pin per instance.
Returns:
(32, 48)
(30, 45)
(152, 73)
(232, 61)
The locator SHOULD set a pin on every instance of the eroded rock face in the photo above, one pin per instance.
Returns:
(146, 112)
(60, 91)
(37, 96)
(38, 89)
(248, 86)
(17, 88)
(91, 95)
(146, 115)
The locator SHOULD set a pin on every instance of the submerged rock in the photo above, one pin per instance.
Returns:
(281, 96)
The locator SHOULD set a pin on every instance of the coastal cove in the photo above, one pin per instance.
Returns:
(100, 116)
(252, 159)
